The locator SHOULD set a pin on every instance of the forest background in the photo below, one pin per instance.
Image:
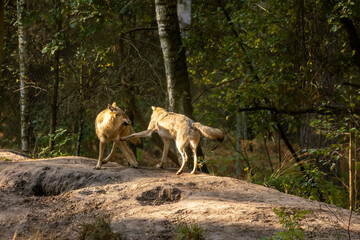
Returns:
(280, 78)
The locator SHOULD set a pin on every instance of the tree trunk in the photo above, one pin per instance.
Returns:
(184, 14)
(81, 111)
(55, 87)
(2, 35)
(24, 99)
(352, 150)
(178, 87)
(80, 132)
(352, 156)
(238, 144)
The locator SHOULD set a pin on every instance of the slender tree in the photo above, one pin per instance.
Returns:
(56, 80)
(2, 34)
(24, 100)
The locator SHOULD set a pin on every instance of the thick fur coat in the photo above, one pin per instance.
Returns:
(111, 124)
(182, 129)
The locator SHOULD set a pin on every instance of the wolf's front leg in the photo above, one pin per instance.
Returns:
(113, 150)
(146, 133)
(101, 155)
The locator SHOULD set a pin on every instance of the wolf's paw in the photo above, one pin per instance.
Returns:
(97, 167)
(193, 172)
(134, 165)
(179, 172)
(159, 165)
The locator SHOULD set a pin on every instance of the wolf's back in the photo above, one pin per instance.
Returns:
(209, 132)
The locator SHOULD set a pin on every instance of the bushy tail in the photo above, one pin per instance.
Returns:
(209, 132)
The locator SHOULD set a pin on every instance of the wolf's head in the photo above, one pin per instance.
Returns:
(117, 112)
(157, 109)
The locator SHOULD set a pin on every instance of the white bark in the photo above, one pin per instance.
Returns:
(184, 13)
(24, 103)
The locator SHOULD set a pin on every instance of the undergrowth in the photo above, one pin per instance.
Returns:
(98, 229)
(290, 221)
(189, 232)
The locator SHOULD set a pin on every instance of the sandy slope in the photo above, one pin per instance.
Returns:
(55, 196)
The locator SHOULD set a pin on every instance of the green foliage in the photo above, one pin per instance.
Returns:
(291, 224)
(98, 229)
(189, 232)
(61, 138)
(286, 178)
(313, 184)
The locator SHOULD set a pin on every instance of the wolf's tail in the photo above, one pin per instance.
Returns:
(209, 132)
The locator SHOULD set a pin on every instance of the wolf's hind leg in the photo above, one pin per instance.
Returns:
(193, 145)
(165, 152)
(129, 155)
(183, 156)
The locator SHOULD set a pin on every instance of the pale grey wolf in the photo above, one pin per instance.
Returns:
(111, 124)
(182, 129)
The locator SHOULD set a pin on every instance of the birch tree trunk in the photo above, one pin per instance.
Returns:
(184, 14)
(24, 100)
(178, 87)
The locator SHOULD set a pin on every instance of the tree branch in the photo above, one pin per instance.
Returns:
(327, 110)
(139, 29)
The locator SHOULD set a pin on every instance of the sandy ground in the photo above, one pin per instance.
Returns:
(56, 196)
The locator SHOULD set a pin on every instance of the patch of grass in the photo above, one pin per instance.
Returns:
(189, 232)
(4, 159)
(98, 229)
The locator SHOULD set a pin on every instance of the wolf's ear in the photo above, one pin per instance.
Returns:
(114, 104)
(153, 108)
(111, 108)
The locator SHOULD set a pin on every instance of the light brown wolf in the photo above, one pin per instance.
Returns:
(182, 129)
(111, 124)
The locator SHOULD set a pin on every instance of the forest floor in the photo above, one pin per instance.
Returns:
(55, 197)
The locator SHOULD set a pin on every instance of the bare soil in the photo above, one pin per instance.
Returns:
(56, 196)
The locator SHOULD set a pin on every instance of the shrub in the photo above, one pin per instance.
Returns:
(291, 224)
(98, 229)
(189, 232)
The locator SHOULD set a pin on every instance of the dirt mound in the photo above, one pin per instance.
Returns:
(56, 196)
(160, 195)
(42, 179)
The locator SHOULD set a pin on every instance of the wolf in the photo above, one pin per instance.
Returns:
(111, 124)
(182, 129)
